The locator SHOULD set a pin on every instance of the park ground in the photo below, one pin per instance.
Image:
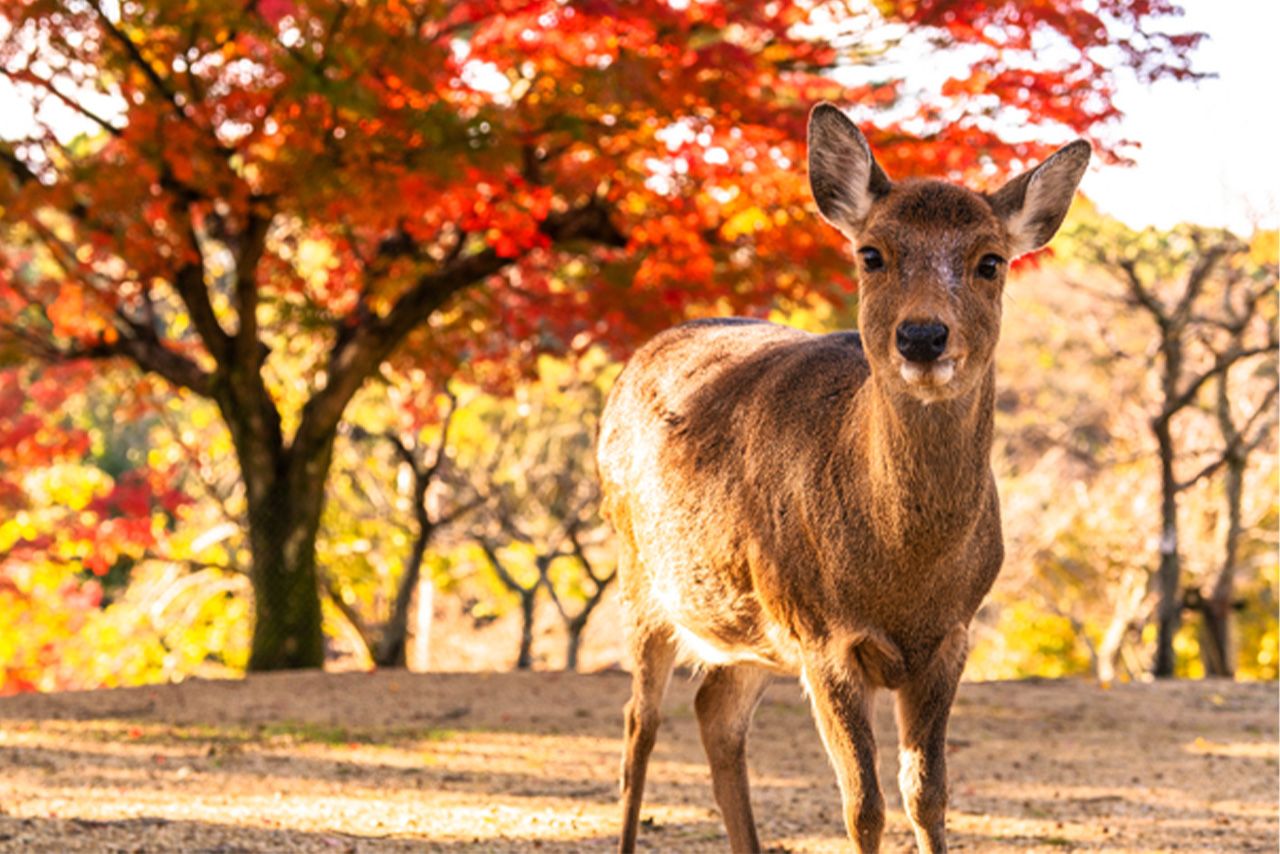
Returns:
(389, 761)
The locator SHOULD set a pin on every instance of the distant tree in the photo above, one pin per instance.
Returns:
(428, 467)
(1174, 279)
(1246, 417)
(540, 527)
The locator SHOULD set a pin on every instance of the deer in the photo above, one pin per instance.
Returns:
(824, 505)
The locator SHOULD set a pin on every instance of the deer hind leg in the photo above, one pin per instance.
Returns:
(842, 705)
(924, 706)
(654, 653)
(725, 703)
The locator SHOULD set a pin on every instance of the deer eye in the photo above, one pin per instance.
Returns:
(872, 260)
(989, 266)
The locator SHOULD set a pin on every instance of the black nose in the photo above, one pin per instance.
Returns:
(922, 342)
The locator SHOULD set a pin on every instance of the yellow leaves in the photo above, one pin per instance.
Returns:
(21, 527)
(1264, 247)
(746, 222)
(67, 485)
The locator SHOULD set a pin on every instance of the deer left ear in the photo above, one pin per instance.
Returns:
(1034, 204)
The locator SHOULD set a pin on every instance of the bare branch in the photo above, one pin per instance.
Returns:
(443, 444)
(1196, 279)
(1141, 294)
(507, 579)
(1221, 363)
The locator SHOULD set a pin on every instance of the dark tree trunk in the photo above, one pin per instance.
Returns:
(1169, 605)
(285, 495)
(1215, 643)
(391, 647)
(574, 644)
(1216, 651)
(524, 661)
(284, 518)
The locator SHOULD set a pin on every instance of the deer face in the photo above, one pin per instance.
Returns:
(932, 256)
(931, 259)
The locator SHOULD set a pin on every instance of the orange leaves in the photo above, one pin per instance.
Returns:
(395, 134)
(78, 316)
(67, 311)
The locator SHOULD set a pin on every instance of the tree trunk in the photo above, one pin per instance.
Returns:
(1215, 645)
(285, 491)
(391, 649)
(1169, 598)
(1128, 605)
(283, 522)
(418, 655)
(524, 661)
(574, 644)
(1216, 652)
(1169, 606)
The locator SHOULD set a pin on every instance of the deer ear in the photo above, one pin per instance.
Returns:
(1034, 204)
(843, 175)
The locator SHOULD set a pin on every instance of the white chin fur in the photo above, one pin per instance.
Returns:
(935, 375)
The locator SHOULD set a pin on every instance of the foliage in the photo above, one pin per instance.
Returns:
(96, 534)
(261, 206)
(320, 183)
(1078, 463)
(541, 498)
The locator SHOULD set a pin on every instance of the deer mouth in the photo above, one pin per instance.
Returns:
(929, 376)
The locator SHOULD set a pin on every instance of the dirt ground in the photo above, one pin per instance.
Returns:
(387, 761)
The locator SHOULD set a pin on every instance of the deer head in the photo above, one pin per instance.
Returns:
(932, 256)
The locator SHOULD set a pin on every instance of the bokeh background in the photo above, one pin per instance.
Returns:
(308, 309)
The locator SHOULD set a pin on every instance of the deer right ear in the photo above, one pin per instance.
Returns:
(843, 175)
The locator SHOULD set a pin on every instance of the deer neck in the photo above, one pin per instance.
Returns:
(928, 465)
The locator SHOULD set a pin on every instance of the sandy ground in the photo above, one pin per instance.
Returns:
(389, 761)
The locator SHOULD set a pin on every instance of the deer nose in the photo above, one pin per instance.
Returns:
(922, 342)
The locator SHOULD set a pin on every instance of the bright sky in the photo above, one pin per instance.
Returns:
(1209, 150)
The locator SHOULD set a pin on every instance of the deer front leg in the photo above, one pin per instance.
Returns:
(924, 706)
(842, 707)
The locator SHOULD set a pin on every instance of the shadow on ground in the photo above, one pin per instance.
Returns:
(495, 762)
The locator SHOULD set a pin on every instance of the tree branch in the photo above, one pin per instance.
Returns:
(1221, 363)
(157, 82)
(1141, 295)
(504, 576)
(151, 355)
(253, 239)
(358, 355)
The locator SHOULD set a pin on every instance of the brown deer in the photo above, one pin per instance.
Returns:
(824, 504)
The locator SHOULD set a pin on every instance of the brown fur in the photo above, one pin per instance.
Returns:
(795, 503)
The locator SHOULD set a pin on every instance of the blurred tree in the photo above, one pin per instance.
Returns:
(483, 180)
(427, 468)
(396, 488)
(1174, 278)
(539, 527)
(1246, 419)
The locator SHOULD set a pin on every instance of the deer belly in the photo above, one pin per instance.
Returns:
(715, 626)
